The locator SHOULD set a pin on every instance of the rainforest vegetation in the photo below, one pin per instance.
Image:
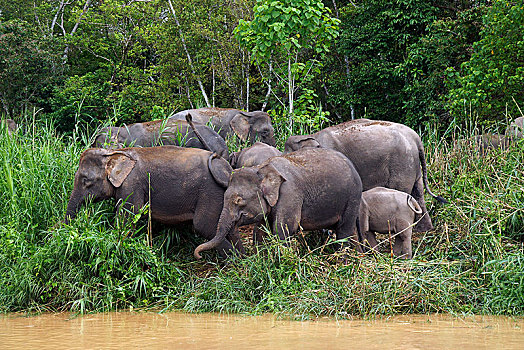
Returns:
(448, 69)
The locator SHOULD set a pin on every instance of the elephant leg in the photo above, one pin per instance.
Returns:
(402, 245)
(418, 193)
(129, 205)
(286, 224)
(347, 227)
(371, 238)
(258, 234)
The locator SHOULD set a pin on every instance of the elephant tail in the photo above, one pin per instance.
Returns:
(413, 205)
(189, 120)
(422, 158)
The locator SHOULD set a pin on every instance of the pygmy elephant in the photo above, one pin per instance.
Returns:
(252, 156)
(180, 184)
(491, 141)
(311, 188)
(11, 126)
(388, 211)
(246, 125)
(516, 128)
(162, 132)
(384, 153)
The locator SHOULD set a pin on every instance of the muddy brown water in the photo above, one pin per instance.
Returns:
(128, 330)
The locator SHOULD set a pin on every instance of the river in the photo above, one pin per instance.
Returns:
(118, 330)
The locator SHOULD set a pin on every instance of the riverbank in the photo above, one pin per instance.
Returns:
(473, 262)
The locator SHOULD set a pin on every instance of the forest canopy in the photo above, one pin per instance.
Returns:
(408, 61)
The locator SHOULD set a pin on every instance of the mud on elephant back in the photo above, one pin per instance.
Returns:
(180, 184)
(384, 153)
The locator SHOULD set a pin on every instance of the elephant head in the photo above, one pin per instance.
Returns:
(111, 138)
(252, 125)
(11, 126)
(294, 143)
(99, 173)
(251, 194)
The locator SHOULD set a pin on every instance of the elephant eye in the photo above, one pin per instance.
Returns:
(239, 201)
(87, 182)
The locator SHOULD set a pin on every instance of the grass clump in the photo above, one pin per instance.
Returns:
(471, 263)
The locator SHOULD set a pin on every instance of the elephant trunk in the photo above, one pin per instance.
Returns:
(271, 141)
(75, 203)
(225, 226)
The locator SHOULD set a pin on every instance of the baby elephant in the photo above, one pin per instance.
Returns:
(384, 210)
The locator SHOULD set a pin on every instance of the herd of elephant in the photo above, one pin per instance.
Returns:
(356, 178)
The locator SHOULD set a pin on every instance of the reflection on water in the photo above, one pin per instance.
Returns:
(211, 331)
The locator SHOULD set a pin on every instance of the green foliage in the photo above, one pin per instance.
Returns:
(29, 66)
(445, 46)
(287, 27)
(288, 36)
(494, 75)
(375, 37)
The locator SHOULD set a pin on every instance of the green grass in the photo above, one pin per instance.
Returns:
(472, 263)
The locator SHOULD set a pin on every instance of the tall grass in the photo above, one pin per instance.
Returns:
(473, 261)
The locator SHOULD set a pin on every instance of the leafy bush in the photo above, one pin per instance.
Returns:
(494, 76)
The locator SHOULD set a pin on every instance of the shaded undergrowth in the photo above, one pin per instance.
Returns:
(473, 262)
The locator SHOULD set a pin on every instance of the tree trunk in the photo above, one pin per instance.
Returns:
(206, 99)
(290, 86)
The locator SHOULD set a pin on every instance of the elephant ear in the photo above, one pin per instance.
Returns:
(308, 141)
(296, 142)
(219, 169)
(118, 167)
(240, 125)
(270, 185)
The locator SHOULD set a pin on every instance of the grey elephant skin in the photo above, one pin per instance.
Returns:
(516, 129)
(489, 141)
(252, 156)
(161, 132)
(310, 188)
(248, 126)
(181, 185)
(384, 153)
(12, 127)
(389, 211)
(249, 157)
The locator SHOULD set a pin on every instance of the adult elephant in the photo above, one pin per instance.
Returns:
(11, 126)
(248, 126)
(162, 132)
(516, 128)
(180, 184)
(384, 153)
(311, 188)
